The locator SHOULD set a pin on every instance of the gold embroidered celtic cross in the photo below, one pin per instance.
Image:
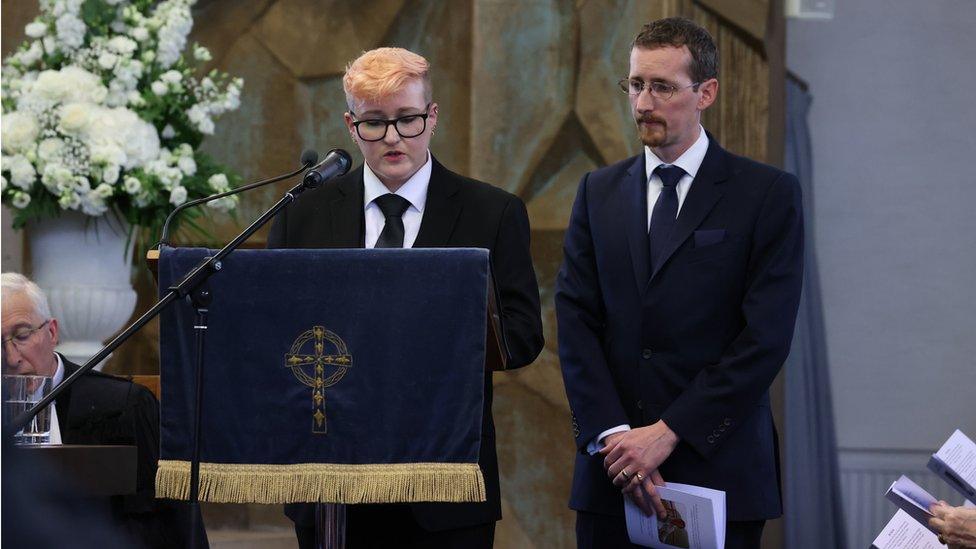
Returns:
(319, 369)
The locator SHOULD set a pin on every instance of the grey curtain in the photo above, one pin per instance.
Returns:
(813, 508)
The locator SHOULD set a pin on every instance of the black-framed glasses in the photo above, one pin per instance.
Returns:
(23, 335)
(374, 129)
(659, 90)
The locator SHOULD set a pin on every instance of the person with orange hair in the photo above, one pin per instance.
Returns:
(402, 197)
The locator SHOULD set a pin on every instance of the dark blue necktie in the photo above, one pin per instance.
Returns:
(392, 207)
(665, 212)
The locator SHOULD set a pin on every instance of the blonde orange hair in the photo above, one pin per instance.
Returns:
(383, 72)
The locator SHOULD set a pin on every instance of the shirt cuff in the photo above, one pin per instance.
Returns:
(596, 444)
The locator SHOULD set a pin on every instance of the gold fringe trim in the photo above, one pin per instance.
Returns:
(324, 482)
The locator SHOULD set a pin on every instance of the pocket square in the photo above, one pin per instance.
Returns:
(709, 237)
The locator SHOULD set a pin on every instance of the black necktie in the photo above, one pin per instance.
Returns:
(392, 207)
(665, 212)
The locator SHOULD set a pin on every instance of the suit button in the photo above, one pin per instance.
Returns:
(646, 354)
(640, 404)
(711, 439)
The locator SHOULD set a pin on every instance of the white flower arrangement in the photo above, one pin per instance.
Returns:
(103, 111)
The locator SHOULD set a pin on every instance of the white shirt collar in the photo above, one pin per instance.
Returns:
(414, 190)
(59, 373)
(690, 161)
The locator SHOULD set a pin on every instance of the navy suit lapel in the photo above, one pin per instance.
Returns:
(442, 209)
(634, 195)
(705, 192)
(346, 212)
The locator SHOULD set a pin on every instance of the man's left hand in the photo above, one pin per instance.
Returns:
(642, 450)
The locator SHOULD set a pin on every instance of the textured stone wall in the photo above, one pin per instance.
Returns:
(528, 102)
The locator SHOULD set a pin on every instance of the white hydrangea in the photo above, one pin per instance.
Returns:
(171, 77)
(122, 45)
(201, 53)
(19, 131)
(70, 30)
(159, 88)
(134, 136)
(74, 117)
(107, 60)
(139, 33)
(31, 55)
(37, 29)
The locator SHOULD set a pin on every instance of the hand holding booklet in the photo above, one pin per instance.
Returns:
(955, 463)
(696, 519)
(912, 499)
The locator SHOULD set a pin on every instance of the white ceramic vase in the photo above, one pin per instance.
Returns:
(84, 265)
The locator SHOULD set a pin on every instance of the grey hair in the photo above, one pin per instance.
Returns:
(14, 283)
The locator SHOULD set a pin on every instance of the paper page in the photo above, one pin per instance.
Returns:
(691, 522)
(958, 459)
(904, 532)
(912, 499)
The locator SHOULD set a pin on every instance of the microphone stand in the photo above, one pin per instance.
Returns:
(192, 282)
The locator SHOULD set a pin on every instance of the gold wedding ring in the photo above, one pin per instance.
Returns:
(640, 477)
(625, 474)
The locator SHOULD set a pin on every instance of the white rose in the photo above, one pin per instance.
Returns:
(69, 201)
(171, 77)
(20, 200)
(224, 204)
(81, 184)
(55, 176)
(70, 84)
(218, 182)
(18, 130)
(22, 172)
(177, 196)
(187, 165)
(50, 149)
(103, 191)
(132, 185)
(74, 117)
(36, 29)
(110, 174)
(159, 88)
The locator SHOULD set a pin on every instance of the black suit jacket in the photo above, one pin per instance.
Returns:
(696, 343)
(460, 212)
(103, 409)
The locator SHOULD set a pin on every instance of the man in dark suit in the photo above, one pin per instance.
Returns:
(402, 197)
(96, 409)
(675, 305)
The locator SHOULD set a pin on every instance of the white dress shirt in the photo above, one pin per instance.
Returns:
(689, 161)
(58, 378)
(414, 191)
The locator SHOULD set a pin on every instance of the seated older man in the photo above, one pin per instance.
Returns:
(97, 409)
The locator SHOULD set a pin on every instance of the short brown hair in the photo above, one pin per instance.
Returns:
(677, 32)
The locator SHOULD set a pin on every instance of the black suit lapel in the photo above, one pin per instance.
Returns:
(633, 194)
(705, 192)
(63, 403)
(346, 212)
(442, 208)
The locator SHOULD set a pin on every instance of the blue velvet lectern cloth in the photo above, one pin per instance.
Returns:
(347, 376)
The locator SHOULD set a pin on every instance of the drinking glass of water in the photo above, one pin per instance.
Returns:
(20, 393)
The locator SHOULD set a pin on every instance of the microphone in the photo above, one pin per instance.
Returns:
(309, 157)
(336, 163)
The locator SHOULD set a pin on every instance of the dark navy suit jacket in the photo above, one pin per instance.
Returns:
(696, 343)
